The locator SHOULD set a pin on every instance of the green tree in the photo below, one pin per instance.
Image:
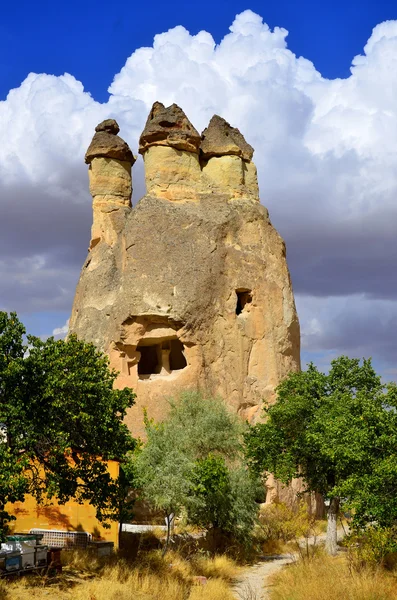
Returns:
(194, 460)
(60, 421)
(338, 432)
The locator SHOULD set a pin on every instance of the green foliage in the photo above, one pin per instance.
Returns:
(371, 547)
(61, 419)
(211, 488)
(339, 433)
(280, 522)
(194, 460)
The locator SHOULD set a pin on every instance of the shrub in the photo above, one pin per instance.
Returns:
(372, 547)
(193, 463)
(279, 522)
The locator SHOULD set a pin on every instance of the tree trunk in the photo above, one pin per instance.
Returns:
(167, 541)
(120, 531)
(331, 543)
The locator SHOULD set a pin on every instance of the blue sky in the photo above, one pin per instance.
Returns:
(317, 104)
(92, 39)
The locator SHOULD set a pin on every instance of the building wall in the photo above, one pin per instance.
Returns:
(67, 517)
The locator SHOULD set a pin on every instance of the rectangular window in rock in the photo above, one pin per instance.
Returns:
(161, 358)
(244, 297)
(177, 358)
(150, 360)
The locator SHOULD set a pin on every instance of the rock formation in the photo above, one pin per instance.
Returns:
(190, 288)
(110, 160)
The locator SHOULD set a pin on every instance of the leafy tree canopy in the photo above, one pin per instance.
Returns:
(194, 460)
(339, 433)
(60, 420)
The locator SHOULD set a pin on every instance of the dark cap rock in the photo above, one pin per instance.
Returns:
(169, 127)
(221, 139)
(107, 144)
(108, 125)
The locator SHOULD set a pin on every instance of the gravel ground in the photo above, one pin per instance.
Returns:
(253, 583)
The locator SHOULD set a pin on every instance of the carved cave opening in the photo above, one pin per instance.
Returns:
(177, 357)
(150, 360)
(244, 297)
(161, 358)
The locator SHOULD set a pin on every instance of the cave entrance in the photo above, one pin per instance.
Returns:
(177, 358)
(244, 297)
(161, 357)
(149, 362)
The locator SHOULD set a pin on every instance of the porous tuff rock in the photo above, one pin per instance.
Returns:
(182, 175)
(169, 127)
(107, 144)
(110, 160)
(182, 271)
(221, 139)
(109, 125)
(187, 294)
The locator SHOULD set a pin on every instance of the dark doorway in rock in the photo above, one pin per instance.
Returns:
(150, 360)
(177, 358)
(161, 358)
(244, 297)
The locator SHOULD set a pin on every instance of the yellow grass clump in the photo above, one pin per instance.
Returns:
(215, 589)
(220, 566)
(326, 578)
(116, 585)
(139, 586)
(151, 577)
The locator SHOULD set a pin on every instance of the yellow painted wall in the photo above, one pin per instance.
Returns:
(65, 517)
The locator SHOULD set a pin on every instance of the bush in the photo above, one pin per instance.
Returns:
(372, 547)
(281, 525)
(193, 463)
(220, 567)
(279, 522)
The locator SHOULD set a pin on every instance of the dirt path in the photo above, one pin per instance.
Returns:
(253, 582)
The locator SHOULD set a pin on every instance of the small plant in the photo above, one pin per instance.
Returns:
(371, 548)
(220, 566)
(248, 593)
(282, 525)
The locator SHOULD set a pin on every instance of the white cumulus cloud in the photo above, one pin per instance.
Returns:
(60, 332)
(325, 151)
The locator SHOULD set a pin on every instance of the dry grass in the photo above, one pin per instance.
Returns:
(219, 567)
(284, 530)
(215, 589)
(280, 522)
(326, 578)
(152, 577)
(273, 547)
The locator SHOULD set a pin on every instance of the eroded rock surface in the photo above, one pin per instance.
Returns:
(106, 143)
(190, 288)
(220, 139)
(110, 161)
(169, 127)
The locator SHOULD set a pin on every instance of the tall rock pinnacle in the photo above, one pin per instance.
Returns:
(107, 144)
(190, 288)
(110, 160)
(221, 139)
(169, 127)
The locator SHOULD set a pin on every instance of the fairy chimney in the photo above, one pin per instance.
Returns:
(110, 160)
(190, 288)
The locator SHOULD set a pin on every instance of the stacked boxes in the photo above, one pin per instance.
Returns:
(22, 553)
